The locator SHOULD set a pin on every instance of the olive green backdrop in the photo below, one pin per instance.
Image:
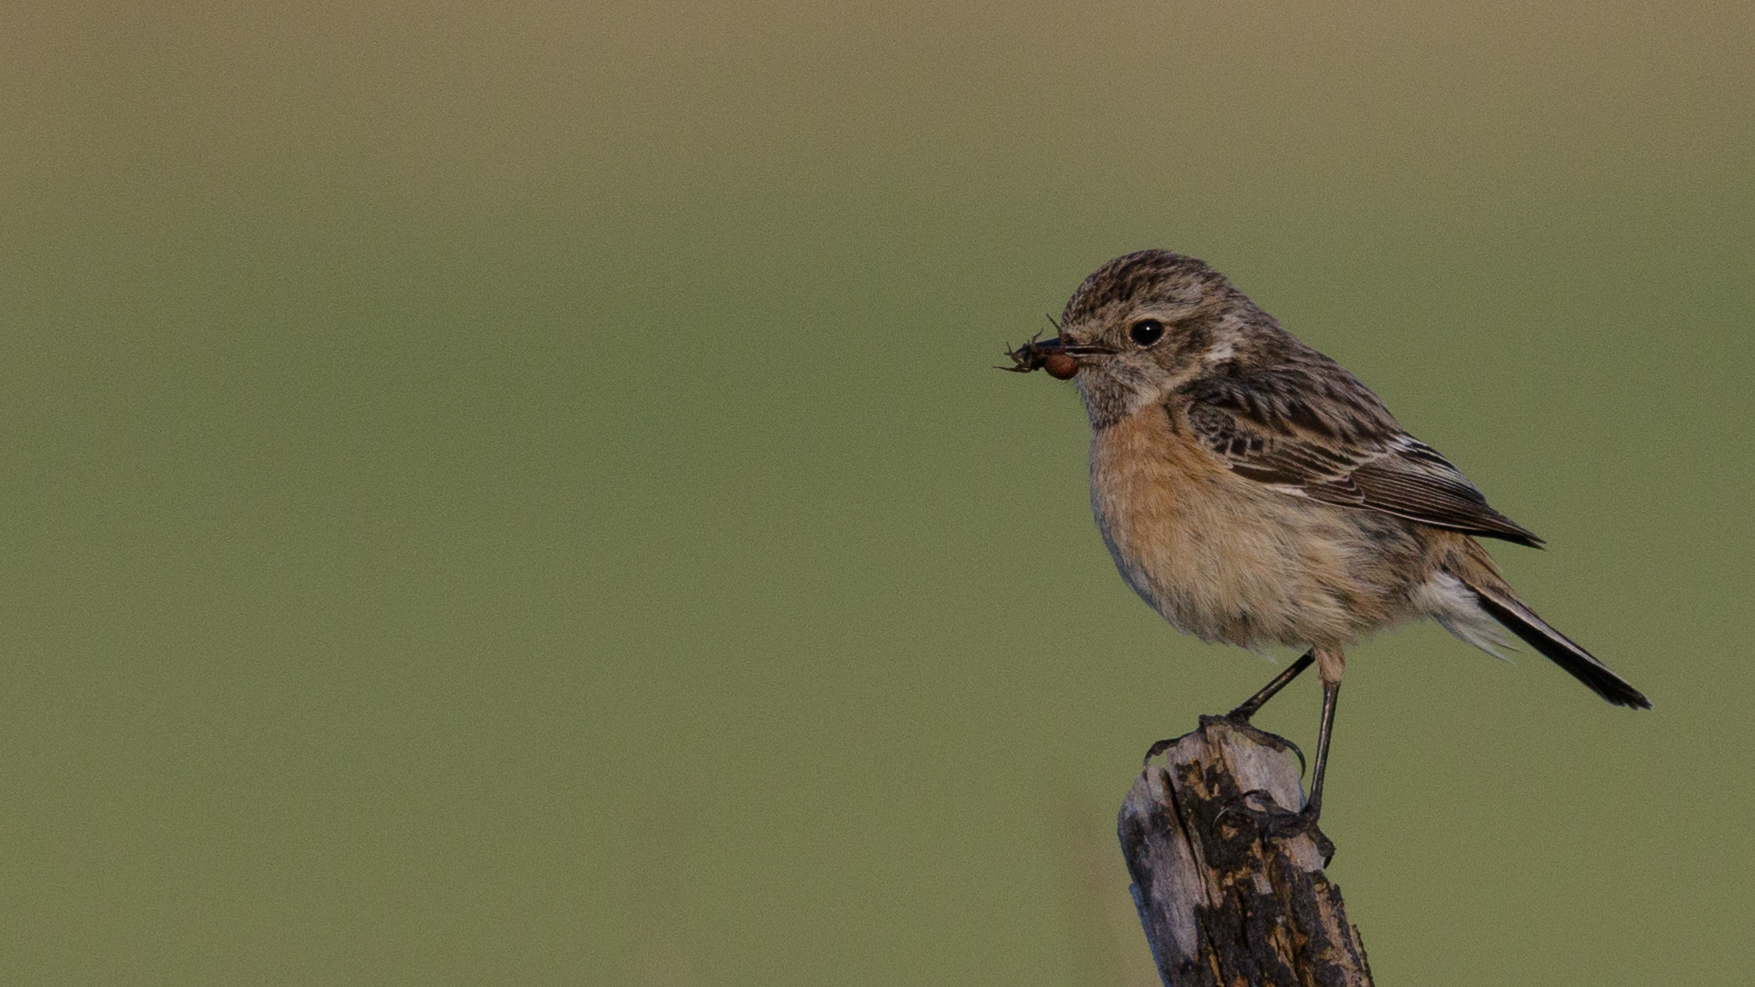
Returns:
(516, 494)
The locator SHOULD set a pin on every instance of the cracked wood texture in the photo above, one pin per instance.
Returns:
(1221, 906)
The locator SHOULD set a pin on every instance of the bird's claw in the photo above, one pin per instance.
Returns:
(1239, 718)
(1275, 823)
(1158, 748)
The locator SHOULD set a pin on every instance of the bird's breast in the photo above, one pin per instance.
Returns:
(1148, 485)
(1220, 556)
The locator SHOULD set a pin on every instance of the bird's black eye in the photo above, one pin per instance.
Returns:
(1147, 331)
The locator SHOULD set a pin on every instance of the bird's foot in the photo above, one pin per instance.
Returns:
(1159, 747)
(1239, 720)
(1272, 740)
(1275, 823)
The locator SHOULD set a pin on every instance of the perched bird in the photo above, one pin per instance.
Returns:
(1254, 492)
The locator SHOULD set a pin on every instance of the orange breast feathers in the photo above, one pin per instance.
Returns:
(1148, 475)
(1223, 557)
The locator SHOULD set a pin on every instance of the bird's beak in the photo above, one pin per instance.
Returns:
(1061, 360)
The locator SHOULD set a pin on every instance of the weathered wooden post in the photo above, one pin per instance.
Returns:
(1222, 906)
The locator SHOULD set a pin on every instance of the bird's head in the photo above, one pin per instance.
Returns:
(1140, 326)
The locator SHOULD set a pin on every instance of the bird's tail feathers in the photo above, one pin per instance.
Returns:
(1500, 603)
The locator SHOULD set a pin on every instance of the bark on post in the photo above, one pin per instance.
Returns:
(1222, 906)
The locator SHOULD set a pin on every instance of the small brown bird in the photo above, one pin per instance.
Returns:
(1254, 492)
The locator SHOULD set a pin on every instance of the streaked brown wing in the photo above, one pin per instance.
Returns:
(1319, 432)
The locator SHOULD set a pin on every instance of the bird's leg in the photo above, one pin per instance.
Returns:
(1331, 695)
(1276, 823)
(1254, 703)
(1240, 716)
(1304, 820)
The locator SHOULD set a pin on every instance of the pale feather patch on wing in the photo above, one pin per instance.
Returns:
(1445, 599)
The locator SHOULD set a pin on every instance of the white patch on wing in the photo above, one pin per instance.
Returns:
(1445, 599)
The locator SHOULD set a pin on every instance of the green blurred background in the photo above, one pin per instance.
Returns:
(516, 493)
